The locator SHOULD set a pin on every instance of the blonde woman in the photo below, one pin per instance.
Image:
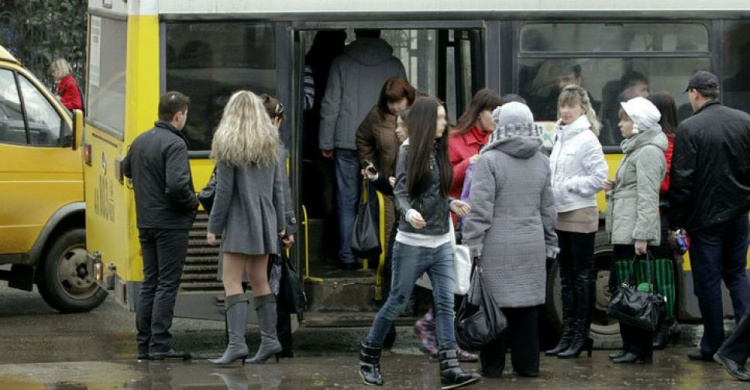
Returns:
(247, 218)
(67, 88)
(578, 171)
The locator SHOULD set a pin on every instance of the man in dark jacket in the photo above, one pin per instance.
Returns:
(165, 206)
(710, 197)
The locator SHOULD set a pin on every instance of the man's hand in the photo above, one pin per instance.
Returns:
(211, 238)
(460, 208)
(327, 154)
(640, 247)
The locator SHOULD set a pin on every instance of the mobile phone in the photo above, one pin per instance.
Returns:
(370, 167)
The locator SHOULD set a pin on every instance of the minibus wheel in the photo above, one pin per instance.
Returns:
(604, 329)
(64, 281)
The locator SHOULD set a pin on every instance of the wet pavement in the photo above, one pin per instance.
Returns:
(41, 349)
(670, 370)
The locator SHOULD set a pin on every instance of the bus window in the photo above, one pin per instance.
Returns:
(44, 121)
(736, 72)
(106, 81)
(614, 37)
(206, 66)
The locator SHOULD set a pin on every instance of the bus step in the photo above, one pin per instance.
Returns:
(213, 285)
(338, 319)
(352, 294)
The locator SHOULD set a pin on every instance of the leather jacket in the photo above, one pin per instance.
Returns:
(433, 206)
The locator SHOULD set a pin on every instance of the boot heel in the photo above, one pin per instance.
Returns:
(242, 360)
(277, 356)
(589, 347)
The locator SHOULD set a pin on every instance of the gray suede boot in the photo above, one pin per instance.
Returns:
(265, 305)
(236, 316)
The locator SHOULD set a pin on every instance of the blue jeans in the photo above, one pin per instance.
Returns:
(720, 252)
(348, 181)
(409, 262)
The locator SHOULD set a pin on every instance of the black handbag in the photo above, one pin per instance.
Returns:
(478, 323)
(291, 290)
(208, 193)
(640, 309)
(365, 241)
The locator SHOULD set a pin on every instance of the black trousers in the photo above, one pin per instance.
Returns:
(522, 335)
(164, 253)
(737, 346)
(578, 278)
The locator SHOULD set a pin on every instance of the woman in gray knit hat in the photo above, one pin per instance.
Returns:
(511, 231)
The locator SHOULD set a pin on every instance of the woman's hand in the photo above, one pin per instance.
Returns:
(211, 238)
(640, 247)
(282, 233)
(608, 185)
(288, 241)
(370, 172)
(473, 159)
(392, 181)
(460, 208)
(415, 219)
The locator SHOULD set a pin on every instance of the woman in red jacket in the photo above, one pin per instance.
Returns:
(469, 135)
(67, 88)
(664, 101)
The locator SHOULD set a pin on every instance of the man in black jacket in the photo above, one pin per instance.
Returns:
(165, 206)
(710, 197)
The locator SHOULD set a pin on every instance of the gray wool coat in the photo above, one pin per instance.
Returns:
(248, 210)
(633, 205)
(512, 220)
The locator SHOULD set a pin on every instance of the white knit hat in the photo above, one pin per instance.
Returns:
(642, 112)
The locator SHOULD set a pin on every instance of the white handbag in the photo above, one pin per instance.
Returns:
(462, 266)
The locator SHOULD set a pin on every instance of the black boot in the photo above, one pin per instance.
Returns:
(631, 357)
(369, 364)
(568, 300)
(580, 342)
(451, 374)
(669, 332)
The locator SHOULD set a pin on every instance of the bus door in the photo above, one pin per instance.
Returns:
(442, 59)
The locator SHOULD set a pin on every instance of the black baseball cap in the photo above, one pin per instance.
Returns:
(703, 81)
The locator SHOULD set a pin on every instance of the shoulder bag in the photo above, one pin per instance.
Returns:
(640, 309)
(479, 322)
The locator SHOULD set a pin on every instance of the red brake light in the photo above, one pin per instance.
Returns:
(87, 153)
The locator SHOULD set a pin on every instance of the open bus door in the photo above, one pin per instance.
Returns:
(443, 60)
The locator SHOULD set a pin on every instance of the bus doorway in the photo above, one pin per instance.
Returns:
(445, 63)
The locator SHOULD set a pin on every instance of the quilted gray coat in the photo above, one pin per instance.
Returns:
(512, 220)
(633, 205)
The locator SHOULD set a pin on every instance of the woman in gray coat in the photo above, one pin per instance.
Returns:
(248, 215)
(511, 231)
(633, 206)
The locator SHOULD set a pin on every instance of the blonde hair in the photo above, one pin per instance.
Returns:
(574, 95)
(245, 134)
(62, 66)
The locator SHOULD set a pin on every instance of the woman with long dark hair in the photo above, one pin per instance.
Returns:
(669, 329)
(423, 179)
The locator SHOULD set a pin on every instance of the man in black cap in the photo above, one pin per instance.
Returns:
(710, 197)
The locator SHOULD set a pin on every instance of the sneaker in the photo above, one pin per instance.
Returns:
(466, 356)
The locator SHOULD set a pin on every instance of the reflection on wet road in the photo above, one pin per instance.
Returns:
(670, 370)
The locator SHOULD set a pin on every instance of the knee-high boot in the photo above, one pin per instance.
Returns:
(581, 339)
(265, 305)
(568, 299)
(236, 317)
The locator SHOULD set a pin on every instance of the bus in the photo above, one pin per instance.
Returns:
(208, 49)
(42, 223)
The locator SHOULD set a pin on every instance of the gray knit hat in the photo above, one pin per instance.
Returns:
(513, 120)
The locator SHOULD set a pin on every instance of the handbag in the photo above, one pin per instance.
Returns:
(365, 242)
(208, 193)
(479, 323)
(462, 267)
(291, 291)
(640, 309)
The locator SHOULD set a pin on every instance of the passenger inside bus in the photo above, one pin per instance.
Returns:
(612, 96)
(543, 100)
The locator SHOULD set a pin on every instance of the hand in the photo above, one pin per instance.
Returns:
(473, 159)
(392, 181)
(282, 233)
(370, 172)
(415, 219)
(460, 208)
(608, 185)
(211, 238)
(327, 154)
(288, 241)
(640, 247)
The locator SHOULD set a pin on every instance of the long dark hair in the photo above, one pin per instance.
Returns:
(664, 101)
(484, 99)
(422, 122)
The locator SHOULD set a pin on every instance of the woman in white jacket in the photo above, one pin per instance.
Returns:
(578, 170)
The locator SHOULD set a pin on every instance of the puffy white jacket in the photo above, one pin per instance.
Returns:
(578, 166)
